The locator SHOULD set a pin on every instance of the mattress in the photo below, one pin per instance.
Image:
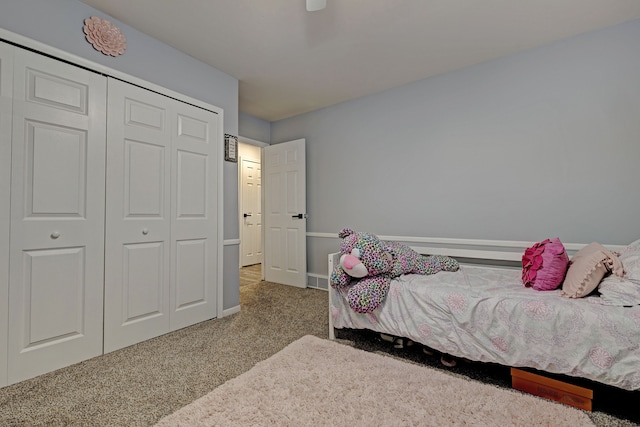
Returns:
(485, 314)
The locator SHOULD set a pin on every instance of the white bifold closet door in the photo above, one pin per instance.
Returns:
(57, 215)
(161, 226)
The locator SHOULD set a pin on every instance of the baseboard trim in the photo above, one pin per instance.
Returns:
(230, 311)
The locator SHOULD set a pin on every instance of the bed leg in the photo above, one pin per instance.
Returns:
(332, 331)
(333, 259)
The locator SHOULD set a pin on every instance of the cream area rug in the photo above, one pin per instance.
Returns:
(317, 382)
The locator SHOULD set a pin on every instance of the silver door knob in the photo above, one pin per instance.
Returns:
(145, 231)
(55, 235)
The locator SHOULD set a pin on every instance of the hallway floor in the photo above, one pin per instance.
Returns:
(250, 274)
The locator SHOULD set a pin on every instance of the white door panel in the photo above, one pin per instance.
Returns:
(6, 107)
(57, 215)
(257, 222)
(144, 179)
(251, 215)
(194, 216)
(285, 213)
(192, 186)
(143, 272)
(191, 273)
(53, 288)
(162, 215)
(137, 246)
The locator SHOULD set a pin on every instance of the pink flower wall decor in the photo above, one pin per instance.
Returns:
(104, 36)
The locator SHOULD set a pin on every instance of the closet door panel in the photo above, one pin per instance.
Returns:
(56, 151)
(194, 235)
(191, 273)
(144, 176)
(138, 221)
(57, 215)
(6, 101)
(53, 280)
(143, 265)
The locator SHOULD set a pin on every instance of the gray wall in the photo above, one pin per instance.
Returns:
(58, 23)
(538, 144)
(252, 127)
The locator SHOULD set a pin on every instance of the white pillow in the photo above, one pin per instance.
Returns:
(631, 247)
(619, 292)
(631, 264)
(623, 291)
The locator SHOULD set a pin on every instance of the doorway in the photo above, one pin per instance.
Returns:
(283, 198)
(250, 207)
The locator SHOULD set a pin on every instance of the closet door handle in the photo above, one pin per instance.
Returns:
(145, 231)
(55, 235)
(246, 215)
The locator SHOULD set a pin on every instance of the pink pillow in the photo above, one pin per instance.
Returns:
(544, 265)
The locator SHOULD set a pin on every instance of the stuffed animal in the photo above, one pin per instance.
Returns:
(368, 264)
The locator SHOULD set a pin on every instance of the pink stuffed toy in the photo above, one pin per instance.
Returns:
(367, 266)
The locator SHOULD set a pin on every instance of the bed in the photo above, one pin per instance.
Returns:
(484, 313)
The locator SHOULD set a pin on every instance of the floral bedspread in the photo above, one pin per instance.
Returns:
(487, 315)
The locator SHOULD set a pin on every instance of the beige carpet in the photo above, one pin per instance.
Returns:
(315, 381)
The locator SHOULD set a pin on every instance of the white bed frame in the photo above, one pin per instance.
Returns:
(496, 253)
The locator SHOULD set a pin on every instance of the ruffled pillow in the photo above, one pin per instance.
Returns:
(587, 268)
(544, 265)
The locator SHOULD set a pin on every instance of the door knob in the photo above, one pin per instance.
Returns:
(145, 231)
(246, 215)
(55, 235)
(299, 216)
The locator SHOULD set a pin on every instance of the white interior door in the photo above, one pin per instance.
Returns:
(251, 212)
(57, 215)
(195, 147)
(285, 255)
(162, 215)
(6, 101)
(138, 223)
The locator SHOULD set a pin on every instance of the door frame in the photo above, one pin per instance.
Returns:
(260, 144)
(6, 131)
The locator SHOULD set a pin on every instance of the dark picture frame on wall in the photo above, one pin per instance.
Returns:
(230, 148)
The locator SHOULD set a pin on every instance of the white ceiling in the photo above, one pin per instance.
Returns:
(290, 61)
